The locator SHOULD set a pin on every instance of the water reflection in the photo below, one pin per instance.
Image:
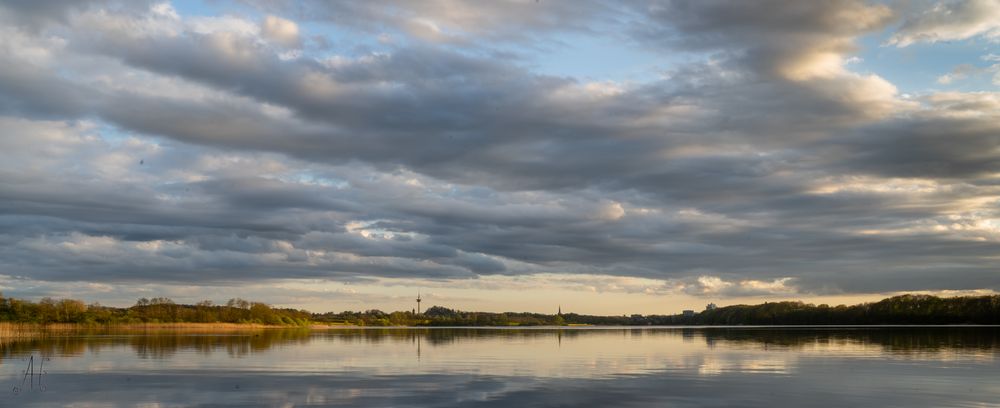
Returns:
(165, 343)
(891, 339)
(156, 345)
(515, 367)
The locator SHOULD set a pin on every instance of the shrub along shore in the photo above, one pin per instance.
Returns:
(22, 318)
(148, 311)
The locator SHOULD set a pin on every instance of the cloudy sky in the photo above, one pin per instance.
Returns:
(611, 157)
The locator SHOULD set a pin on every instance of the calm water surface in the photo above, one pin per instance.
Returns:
(612, 367)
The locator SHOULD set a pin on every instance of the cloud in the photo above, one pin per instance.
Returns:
(715, 287)
(34, 16)
(281, 31)
(958, 73)
(795, 55)
(142, 145)
(950, 20)
(455, 21)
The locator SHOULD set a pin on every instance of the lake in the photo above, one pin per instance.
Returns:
(523, 367)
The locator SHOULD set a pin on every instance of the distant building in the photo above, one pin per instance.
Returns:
(688, 313)
(711, 306)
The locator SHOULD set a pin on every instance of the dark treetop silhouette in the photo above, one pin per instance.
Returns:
(905, 309)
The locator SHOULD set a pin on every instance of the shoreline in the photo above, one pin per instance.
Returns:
(25, 331)
(13, 331)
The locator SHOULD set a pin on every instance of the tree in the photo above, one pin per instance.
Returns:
(70, 310)
(47, 311)
(262, 313)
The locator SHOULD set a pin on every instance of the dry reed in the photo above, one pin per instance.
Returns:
(10, 332)
(19, 330)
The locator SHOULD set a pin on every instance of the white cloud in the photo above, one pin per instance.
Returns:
(165, 10)
(959, 73)
(713, 286)
(222, 24)
(704, 286)
(951, 20)
(281, 31)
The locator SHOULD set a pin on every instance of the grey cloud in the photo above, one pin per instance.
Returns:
(30, 91)
(938, 148)
(441, 162)
(450, 21)
(256, 194)
(756, 27)
(36, 15)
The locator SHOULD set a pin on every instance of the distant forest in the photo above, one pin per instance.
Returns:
(898, 310)
(905, 309)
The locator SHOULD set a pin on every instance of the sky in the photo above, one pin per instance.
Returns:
(606, 157)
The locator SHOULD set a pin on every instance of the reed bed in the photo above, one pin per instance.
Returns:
(10, 332)
(19, 330)
(192, 326)
(16, 332)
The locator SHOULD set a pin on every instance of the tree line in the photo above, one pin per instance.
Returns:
(898, 310)
(155, 310)
(439, 316)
